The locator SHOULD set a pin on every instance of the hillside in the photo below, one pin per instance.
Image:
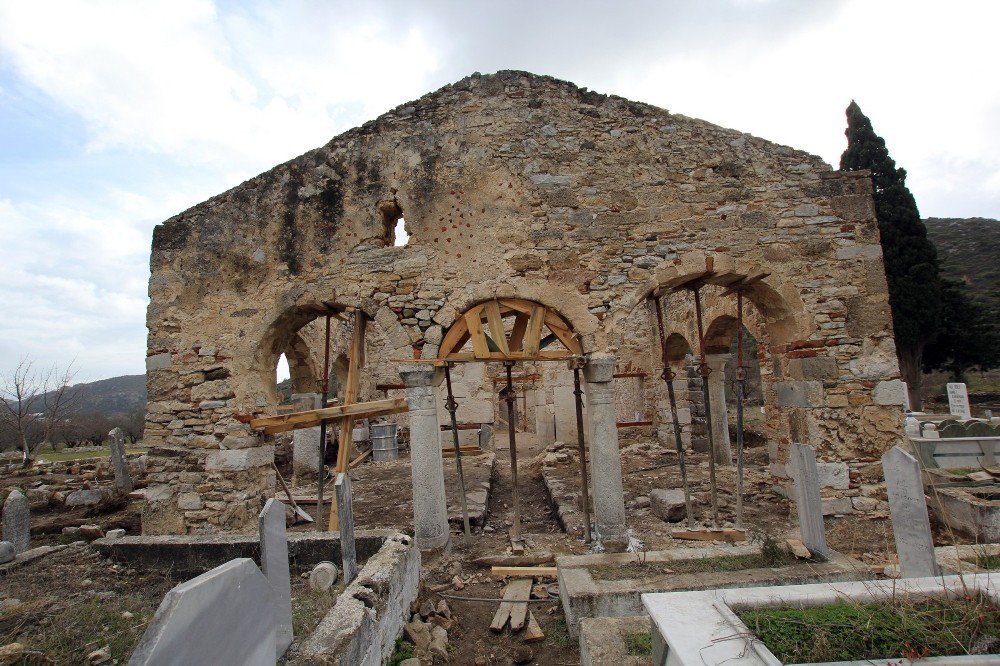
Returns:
(968, 250)
(110, 397)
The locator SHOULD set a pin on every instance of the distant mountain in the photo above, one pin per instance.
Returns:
(110, 397)
(969, 251)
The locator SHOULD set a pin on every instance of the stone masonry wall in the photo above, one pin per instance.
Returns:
(510, 185)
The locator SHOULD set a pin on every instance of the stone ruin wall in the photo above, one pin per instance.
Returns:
(510, 185)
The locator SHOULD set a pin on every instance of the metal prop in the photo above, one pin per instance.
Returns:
(515, 530)
(320, 481)
(705, 371)
(578, 392)
(452, 407)
(740, 387)
(668, 377)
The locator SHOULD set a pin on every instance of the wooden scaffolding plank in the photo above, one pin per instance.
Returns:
(479, 345)
(455, 338)
(533, 337)
(517, 333)
(355, 362)
(518, 590)
(495, 324)
(312, 418)
(534, 632)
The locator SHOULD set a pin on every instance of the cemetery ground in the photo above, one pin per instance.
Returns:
(73, 605)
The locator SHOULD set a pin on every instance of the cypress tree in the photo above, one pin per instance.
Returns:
(910, 258)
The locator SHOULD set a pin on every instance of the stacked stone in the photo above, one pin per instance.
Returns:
(511, 185)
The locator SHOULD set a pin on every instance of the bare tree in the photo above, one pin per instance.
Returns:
(34, 404)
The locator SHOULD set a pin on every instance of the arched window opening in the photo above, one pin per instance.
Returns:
(394, 230)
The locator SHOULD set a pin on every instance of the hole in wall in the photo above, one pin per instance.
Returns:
(400, 237)
(393, 225)
(283, 380)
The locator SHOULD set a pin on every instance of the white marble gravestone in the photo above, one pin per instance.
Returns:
(17, 521)
(808, 502)
(274, 562)
(224, 617)
(911, 526)
(958, 401)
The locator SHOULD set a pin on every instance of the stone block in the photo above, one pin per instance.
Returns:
(224, 616)
(837, 506)
(84, 497)
(834, 475)
(891, 392)
(158, 362)
(667, 504)
(859, 251)
(239, 459)
(816, 367)
(799, 394)
(219, 389)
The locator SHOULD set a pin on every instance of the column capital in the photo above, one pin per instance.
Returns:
(420, 374)
(717, 362)
(600, 368)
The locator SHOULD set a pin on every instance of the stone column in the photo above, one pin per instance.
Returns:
(720, 418)
(430, 506)
(605, 458)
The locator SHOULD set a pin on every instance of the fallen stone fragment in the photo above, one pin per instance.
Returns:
(419, 634)
(6, 552)
(91, 532)
(667, 505)
(101, 656)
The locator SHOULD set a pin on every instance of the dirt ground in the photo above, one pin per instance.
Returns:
(70, 603)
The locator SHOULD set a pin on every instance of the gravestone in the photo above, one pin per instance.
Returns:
(17, 521)
(274, 562)
(953, 430)
(911, 526)
(958, 401)
(808, 501)
(224, 616)
(345, 513)
(123, 481)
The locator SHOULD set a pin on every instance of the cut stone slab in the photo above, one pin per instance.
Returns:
(224, 616)
(345, 514)
(808, 501)
(667, 504)
(274, 562)
(17, 521)
(116, 440)
(85, 497)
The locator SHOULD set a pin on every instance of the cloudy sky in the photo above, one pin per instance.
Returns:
(115, 115)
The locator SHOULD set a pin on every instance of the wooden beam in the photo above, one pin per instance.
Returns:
(522, 572)
(533, 337)
(517, 333)
(454, 338)
(495, 324)
(513, 356)
(479, 345)
(312, 418)
(710, 535)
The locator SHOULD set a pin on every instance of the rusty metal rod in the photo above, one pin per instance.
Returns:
(668, 377)
(322, 430)
(515, 530)
(452, 408)
(585, 486)
(704, 371)
(740, 388)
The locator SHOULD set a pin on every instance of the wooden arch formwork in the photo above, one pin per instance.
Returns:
(494, 338)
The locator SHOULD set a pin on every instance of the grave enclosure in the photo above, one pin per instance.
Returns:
(513, 186)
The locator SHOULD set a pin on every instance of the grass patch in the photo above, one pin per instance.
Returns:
(984, 560)
(308, 608)
(402, 652)
(67, 455)
(558, 633)
(639, 645)
(640, 569)
(54, 633)
(904, 628)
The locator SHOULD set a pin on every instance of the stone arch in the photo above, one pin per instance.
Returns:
(677, 348)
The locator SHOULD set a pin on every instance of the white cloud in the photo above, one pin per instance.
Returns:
(179, 100)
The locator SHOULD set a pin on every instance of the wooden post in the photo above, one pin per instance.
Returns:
(355, 363)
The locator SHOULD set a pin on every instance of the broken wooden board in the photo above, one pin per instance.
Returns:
(798, 549)
(710, 535)
(466, 451)
(522, 572)
(314, 417)
(533, 633)
(517, 590)
(980, 476)
(517, 547)
(514, 561)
